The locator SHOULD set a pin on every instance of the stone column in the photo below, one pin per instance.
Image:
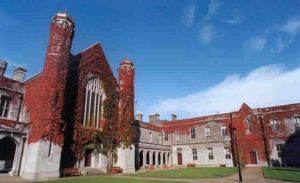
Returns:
(161, 159)
(144, 158)
(151, 158)
(156, 159)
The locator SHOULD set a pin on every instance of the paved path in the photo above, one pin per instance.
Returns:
(250, 175)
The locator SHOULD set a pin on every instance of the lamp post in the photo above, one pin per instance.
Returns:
(233, 130)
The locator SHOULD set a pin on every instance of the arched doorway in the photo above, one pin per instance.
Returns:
(88, 158)
(159, 158)
(7, 154)
(253, 157)
(148, 158)
(153, 158)
(164, 158)
(179, 158)
(141, 158)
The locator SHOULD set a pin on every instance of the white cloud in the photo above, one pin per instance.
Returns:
(213, 7)
(292, 26)
(206, 34)
(256, 43)
(265, 86)
(188, 15)
(234, 20)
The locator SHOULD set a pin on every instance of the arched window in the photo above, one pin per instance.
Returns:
(94, 97)
(249, 128)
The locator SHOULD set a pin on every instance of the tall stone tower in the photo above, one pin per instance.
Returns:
(126, 154)
(45, 140)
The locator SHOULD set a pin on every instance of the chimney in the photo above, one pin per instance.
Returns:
(173, 116)
(19, 74)
(139, 116)
(3, 66)
(153, 117)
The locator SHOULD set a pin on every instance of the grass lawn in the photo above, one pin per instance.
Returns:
(103, 179)
(190, 173)
(289, 174)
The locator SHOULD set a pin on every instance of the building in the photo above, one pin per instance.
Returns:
(57, 111)
(47, 121)
(265, 136)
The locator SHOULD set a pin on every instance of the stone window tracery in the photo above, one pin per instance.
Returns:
(94, 97)
(249, 128)
(4, 106)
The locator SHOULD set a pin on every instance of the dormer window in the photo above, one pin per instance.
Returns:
(94, 97)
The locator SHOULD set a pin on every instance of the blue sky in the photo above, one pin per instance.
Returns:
(191, 57)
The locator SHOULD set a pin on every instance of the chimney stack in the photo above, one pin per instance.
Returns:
(3, 66)
(139, 116)
(19, 74)
(153, 117)
(173, 116)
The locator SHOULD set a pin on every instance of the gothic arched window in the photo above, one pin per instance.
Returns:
(94, 97)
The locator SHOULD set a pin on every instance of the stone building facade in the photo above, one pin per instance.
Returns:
(265, 136)
(47, 120)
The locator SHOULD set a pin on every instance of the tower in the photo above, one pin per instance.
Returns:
(126, 154)
(45, 139)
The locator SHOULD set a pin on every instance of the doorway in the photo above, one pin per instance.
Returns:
(253, 158)
(179, 158)
(7, 154)
(88, 158)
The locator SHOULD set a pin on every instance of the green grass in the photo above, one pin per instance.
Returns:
(190, 173)
(288, 174)
(103, 179)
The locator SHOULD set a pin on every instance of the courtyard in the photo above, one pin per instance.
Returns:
(184, 175)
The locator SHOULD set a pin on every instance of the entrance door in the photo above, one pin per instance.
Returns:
(253, 157)
(179, 158)
(7, 154)
(88, 158)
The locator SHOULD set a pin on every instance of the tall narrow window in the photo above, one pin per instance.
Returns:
(210, 153)
(249, 125)
(224, 130)
(297, 123)
(195, 156)
(177, 134)
(227, 153)
(279, 148)
(94, 96)
(166, 136)
(193, 133)
(4, 106)
(274, 125)
(207, 132)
